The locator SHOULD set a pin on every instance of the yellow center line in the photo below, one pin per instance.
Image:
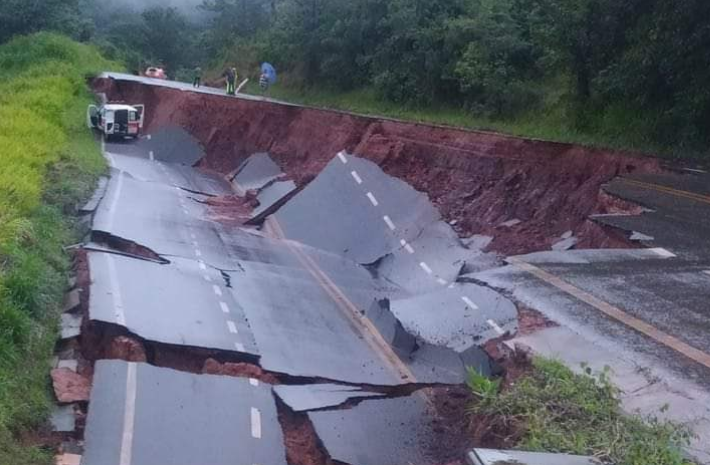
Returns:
(359, 322)
(637, 324)
(669, 190)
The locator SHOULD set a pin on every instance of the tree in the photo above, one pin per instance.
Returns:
(164, 38)
(235, 19)
(498, 61)
(19, 17)
(408, 65)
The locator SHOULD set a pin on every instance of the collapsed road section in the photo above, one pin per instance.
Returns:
(353, 328)
(327, 247)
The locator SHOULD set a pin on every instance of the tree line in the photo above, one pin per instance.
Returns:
(632, 60)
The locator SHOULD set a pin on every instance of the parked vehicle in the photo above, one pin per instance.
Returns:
(116, 120)
(155, 72)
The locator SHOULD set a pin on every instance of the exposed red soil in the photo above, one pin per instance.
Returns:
(302, 444)
(125, 348)
(240, 370)
(479, 179)
(232, 210)
(531, 321)
(451, 423)
(69, 386)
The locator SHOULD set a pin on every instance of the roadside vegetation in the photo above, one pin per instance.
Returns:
(629, 74)
(50, 163)
(552, 409)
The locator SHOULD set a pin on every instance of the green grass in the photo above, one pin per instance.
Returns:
(49, 164)
(559, 411)
(616, 127)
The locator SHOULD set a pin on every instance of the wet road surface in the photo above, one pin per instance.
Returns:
(297, 299)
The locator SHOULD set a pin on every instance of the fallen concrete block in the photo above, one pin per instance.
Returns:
(498, 457)
(63, 419)
(72, 300)
(72, 365)
(70, 325)
(67, 459)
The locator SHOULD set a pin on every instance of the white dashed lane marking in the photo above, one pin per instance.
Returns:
(114, 201)
(202, 265)
(224, 307)
(129, 415)
(372, 198)
(423, 265)
(217, 290)
(389, 222)
(406, 246)
(495, 327)
(151, 155)
(198, 253)
(426, 268)
(661, 252)
(253, 382)
(116, 292)
(239, 347)
(207, 278)
(255, 423)
(232, 327)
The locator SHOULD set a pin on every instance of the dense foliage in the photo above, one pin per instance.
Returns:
(43, 134)
(602, 66)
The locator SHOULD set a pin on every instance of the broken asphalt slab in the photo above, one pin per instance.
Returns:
(171, 304)
(444, 318)
(350, 215)
(271, 198)
(142, 168)
(301, 398)
(144, 415)
(299, 329)
(309, 326)
(679, 215)
(377, 432)
(255, 173)
(429, 363)
(503, 457)
(161, 218)
(172, 144)
(437, 249)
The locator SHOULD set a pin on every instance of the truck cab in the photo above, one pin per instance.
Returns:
(116, 120)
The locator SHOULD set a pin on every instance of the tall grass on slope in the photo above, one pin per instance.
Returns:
(553, 409)
(48, 162)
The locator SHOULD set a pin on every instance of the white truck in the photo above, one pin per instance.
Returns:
(116, 120)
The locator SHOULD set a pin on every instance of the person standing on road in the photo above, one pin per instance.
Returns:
(264, 83)
(231, 75)
(197, 78)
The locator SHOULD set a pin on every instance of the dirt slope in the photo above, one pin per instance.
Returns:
(478, 180)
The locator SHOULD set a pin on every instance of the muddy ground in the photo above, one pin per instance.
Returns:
(480, 181)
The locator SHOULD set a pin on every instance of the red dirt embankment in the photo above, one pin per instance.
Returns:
(478, 179)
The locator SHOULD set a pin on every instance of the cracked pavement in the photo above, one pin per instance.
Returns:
(281, 299)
